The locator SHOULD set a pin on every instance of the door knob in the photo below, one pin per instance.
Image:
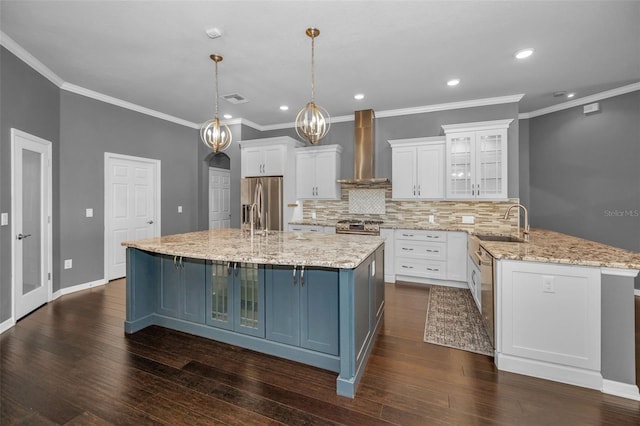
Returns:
(23, 236)
(150, 222)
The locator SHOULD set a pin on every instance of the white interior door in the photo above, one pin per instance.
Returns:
(31, 213)
(219, 198)
(132, 206)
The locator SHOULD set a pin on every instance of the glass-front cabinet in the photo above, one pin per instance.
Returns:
(476, 164)
(235, 297)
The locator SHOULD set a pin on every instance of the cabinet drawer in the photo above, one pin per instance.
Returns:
(421, 268)
(420, 235)
(422, 250)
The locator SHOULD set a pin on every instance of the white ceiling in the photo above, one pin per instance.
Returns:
(400, 54)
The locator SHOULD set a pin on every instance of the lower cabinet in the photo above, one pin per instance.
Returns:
(182, 288)
(235, 297)
(421, 254)
(302, 307)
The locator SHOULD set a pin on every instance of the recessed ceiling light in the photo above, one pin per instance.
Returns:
(524, 53)
(453, 82)
(228, 116)
(284, 108)
(570, 95)
(358, 96)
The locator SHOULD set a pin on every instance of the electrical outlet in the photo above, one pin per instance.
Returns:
(4, 219)
(179, 209)
(432, 219)
(68, 263)
(468, 219)
(548, 284)
(313, 214)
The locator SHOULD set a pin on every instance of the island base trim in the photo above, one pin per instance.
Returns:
(131, 327)
(348, 386)
(624, 390)
(555, 372)
(292, 353)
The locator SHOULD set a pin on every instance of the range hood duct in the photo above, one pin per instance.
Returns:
(364, 150)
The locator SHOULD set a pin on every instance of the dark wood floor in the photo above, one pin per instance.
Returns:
(71, 363)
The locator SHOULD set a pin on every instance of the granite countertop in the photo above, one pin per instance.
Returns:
(554, 247)
(275, 248)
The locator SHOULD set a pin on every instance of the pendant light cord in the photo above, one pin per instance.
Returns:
(313, 73)
(216, 88)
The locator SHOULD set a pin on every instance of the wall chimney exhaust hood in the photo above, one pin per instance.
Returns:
(364, 151)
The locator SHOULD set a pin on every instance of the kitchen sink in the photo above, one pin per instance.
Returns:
(499, 238)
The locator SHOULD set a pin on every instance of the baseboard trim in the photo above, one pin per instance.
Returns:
(390, 279)
(79, 287)
(6, 325)
(544, 370)
(624, 390)
(431, 281)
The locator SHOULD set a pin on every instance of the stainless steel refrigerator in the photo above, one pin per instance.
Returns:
(261, 197)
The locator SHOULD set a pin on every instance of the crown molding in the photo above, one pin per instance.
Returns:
(124, 104)
(414, 110)
(581, 101)
(29, 59)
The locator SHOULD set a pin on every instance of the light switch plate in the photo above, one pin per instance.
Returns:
(68, 263)
(179, 209)
(468, 219)
(4, 219)
(89, 213)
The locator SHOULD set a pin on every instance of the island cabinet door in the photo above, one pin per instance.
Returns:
(282, 310)
(182, 288)
(219, 295)
(248, 298)
(319, 310)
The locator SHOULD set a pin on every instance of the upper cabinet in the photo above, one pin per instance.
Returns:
(267, 157)
(317, 172)
(476, 160)
(417, 168)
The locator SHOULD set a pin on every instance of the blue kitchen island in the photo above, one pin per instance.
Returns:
(312, 298)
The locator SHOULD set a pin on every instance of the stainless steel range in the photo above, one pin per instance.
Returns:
(358, 227)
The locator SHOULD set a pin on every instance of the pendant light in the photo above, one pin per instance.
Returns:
(313, 121)
(214, 133)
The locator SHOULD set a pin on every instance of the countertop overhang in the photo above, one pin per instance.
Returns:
(275, 247)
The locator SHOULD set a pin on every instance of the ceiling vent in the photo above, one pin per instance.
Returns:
(235, 98)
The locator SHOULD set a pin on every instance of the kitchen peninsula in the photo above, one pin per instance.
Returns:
(312, 298)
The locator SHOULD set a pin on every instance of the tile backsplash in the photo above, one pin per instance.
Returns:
(364, 202)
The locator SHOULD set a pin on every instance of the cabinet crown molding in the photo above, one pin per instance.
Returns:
(477, 126)
(416, 141)
(278, 140)
(320, 148)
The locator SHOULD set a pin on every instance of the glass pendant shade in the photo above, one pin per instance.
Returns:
(313, 121)
(214, 133)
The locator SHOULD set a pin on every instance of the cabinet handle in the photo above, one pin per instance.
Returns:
(407, 249)
(414, 190)
(228, 268)
(302, 276)
(407, 267)
(478, 190)
(235, 269)
(181, 264)
(175, 265)
(418, 190)
(407, 235)
(294, 275)
(433, 236)
(433, 269)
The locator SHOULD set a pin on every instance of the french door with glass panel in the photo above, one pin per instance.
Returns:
(31, 221)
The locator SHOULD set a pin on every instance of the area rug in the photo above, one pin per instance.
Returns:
(453, 320)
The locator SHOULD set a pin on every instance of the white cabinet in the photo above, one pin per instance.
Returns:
(389, 254)
(317, 171)
(312, 228)
(263, 161)
(476, 160)
(457, 255)
(417, 168)
(548, 321)
(421, 254)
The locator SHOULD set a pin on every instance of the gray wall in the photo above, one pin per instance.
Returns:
(585, 168)
(418, 125)
(88, 129)
(31, 103)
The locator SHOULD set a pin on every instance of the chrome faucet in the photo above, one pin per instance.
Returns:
(525, 230)
(252, 212)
